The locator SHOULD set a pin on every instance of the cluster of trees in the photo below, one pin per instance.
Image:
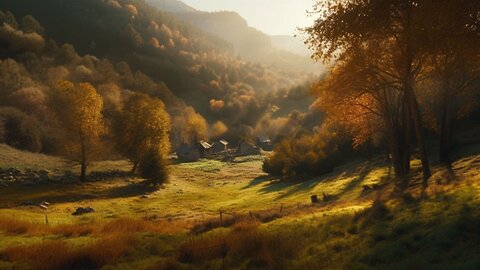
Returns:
(163, 57)
(52, 100)
(400, 66)
(306, 154)
(40, 80)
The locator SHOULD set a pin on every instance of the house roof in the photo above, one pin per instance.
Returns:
(264, 139)
(205, 145)
(223, 142)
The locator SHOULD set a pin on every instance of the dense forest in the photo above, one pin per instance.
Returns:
(155, 53)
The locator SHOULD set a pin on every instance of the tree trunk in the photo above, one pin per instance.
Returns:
(408, 82)
(83, 162)
(400, 149)
(405, 150)
(83, 172)
(445, 138)
(417, 123)
(414, 112)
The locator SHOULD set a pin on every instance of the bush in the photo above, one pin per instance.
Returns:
(19, 130)
(153, 167)
(304, 155)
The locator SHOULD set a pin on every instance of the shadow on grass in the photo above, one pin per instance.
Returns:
(446, 237)
(258, 180)
(295, 186)
(355, 182)
(17, 195)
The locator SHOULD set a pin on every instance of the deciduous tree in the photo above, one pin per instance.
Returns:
(343, 25)
(78, 107)
(143, 129)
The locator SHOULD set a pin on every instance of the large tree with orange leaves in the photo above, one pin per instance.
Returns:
(368, 103)
(344, 27)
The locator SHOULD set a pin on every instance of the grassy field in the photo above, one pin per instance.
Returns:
(217, 215)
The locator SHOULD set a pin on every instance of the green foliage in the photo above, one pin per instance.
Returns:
(143, 128)
(153, 167)
(304, 155)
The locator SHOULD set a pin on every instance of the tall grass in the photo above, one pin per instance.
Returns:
(111, 242)
(122, 225)
(245, 242)
(53, 255)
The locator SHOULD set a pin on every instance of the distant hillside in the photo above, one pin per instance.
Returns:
(171, 5)
(248, 42)
(293, 44)
(131, 45)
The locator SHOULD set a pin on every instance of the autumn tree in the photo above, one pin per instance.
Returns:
(343, 25)
(143, 131)
(78, 108)
(190, 127)
(449, 92)
(368, 104)
(304, 155)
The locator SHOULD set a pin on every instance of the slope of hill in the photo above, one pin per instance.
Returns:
(171, 5)
(249, 43)
(293, 44)
(177, 62)
(362, 223)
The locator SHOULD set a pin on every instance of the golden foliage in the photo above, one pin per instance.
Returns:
(190, 127)
(216, 105)
(218, 129)
(144, 126)
(303, 155)
(78, 108)
(353, 97)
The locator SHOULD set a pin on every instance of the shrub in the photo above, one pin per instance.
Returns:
(304, 155)
(19, 130)
(153, 167)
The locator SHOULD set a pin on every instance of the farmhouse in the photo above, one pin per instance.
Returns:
(219, 146)
(265, 143)
(205, 148)
(188, 153)
(246, 148)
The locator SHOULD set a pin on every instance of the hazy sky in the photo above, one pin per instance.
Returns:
(274, 17)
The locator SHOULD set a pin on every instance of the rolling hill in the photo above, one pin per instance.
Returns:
(186, 64)
(248, 42)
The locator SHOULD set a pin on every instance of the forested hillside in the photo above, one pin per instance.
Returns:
(130, 46)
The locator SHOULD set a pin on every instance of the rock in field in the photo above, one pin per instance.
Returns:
(83, 210)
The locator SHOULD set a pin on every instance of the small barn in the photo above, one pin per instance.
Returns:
(246, 148)
(188, 153)
(265, 143)
(205, 148)
(219, 146)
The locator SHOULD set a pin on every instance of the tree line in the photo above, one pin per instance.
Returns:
(167, 58)
(400, 66)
